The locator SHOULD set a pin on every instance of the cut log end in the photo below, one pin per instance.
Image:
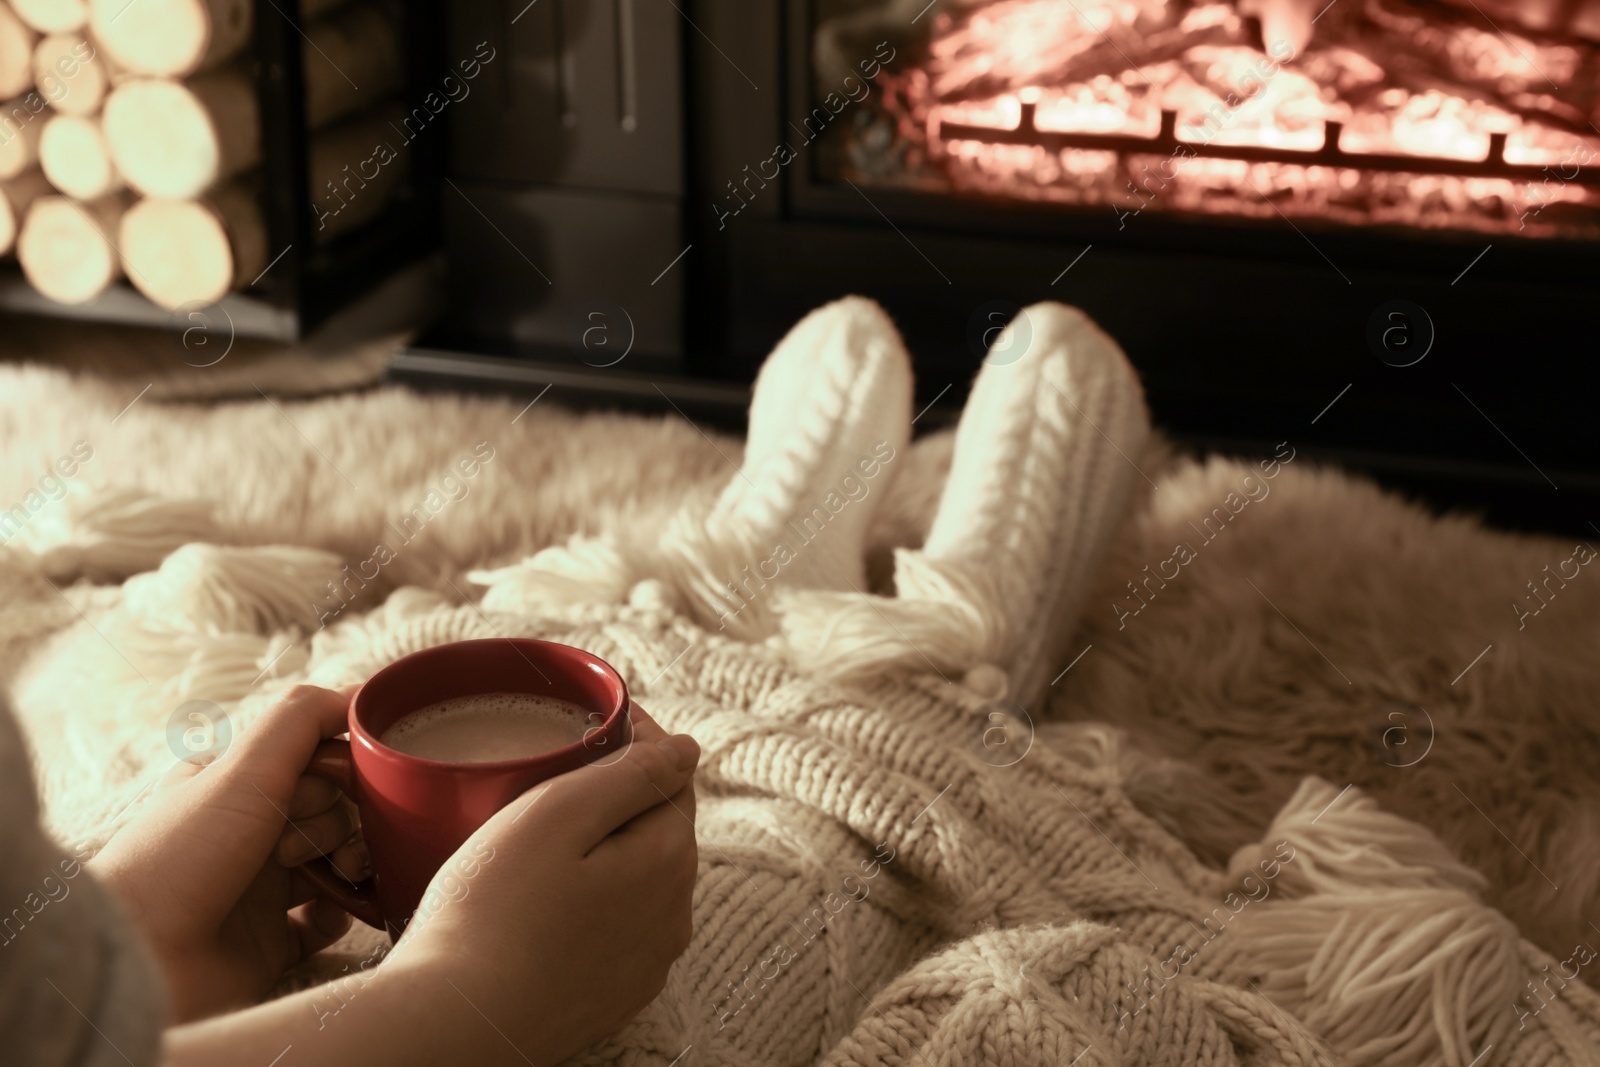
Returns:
(16, 196)
(175, 140)
(53, 16)
(70, 74)
(65, 248)
(16, 54)
(73, 153)
(179, 252)
(170, 38)
(20, 127)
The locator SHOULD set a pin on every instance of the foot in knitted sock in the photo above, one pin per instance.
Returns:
(831, 410)
(1039, 480)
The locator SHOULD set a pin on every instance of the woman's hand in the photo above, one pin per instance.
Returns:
(573, 902)
(206, 873)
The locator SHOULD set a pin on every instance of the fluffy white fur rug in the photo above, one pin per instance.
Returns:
(1313, 625)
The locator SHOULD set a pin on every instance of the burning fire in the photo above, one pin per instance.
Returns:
(1113, 67)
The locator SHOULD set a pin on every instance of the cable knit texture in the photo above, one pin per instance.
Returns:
(1038, 484)
(879, 882)
(831, 402)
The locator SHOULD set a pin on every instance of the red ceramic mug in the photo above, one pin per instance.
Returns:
(416, 812)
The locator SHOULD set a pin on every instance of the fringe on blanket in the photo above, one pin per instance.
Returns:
(1376, 939)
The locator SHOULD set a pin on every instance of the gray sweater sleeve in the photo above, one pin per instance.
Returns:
(77, 986)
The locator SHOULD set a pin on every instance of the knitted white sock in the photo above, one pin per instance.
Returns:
(830, 412)
(1038, 482)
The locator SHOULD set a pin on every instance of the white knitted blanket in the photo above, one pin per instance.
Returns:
(879, 886)
(895, 868)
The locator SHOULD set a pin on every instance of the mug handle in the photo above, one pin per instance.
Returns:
(333, 762)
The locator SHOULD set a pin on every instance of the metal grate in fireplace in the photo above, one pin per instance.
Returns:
(1424, 114)
(1166, 143)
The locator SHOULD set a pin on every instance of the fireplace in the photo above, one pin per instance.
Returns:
(1370, 229)
(1383, 113)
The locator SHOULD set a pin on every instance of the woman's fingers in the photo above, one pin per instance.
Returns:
(305, 715)
(352, 860)
(318, 924)
(273, 752)
(583, 807)
(683, 802)
(661, 841)
(177, 774)
(644, 727)
(313, 795)
(306, 839)
(658, 848)
(663, 830)
(326, 708)
(580, 808)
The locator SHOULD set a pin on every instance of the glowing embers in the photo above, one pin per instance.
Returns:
(1430, 124)
(1142, 106)
(1132, 185)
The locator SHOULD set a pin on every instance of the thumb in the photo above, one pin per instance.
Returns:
(579, 809)
(273, 752)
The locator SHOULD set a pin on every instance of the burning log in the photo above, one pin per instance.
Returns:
(73, 153)
(1553, 80)
(1552, 76)
(1290, 22)
(16, 195)
(1397, 112)
(1014, 44)
(842, 42)
(16, 50)
(1579, 19)
(181, 251)
(65, 247)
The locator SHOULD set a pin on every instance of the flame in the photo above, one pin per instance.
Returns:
(982, 68)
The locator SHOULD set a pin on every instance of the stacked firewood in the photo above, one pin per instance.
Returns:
(130, 144)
